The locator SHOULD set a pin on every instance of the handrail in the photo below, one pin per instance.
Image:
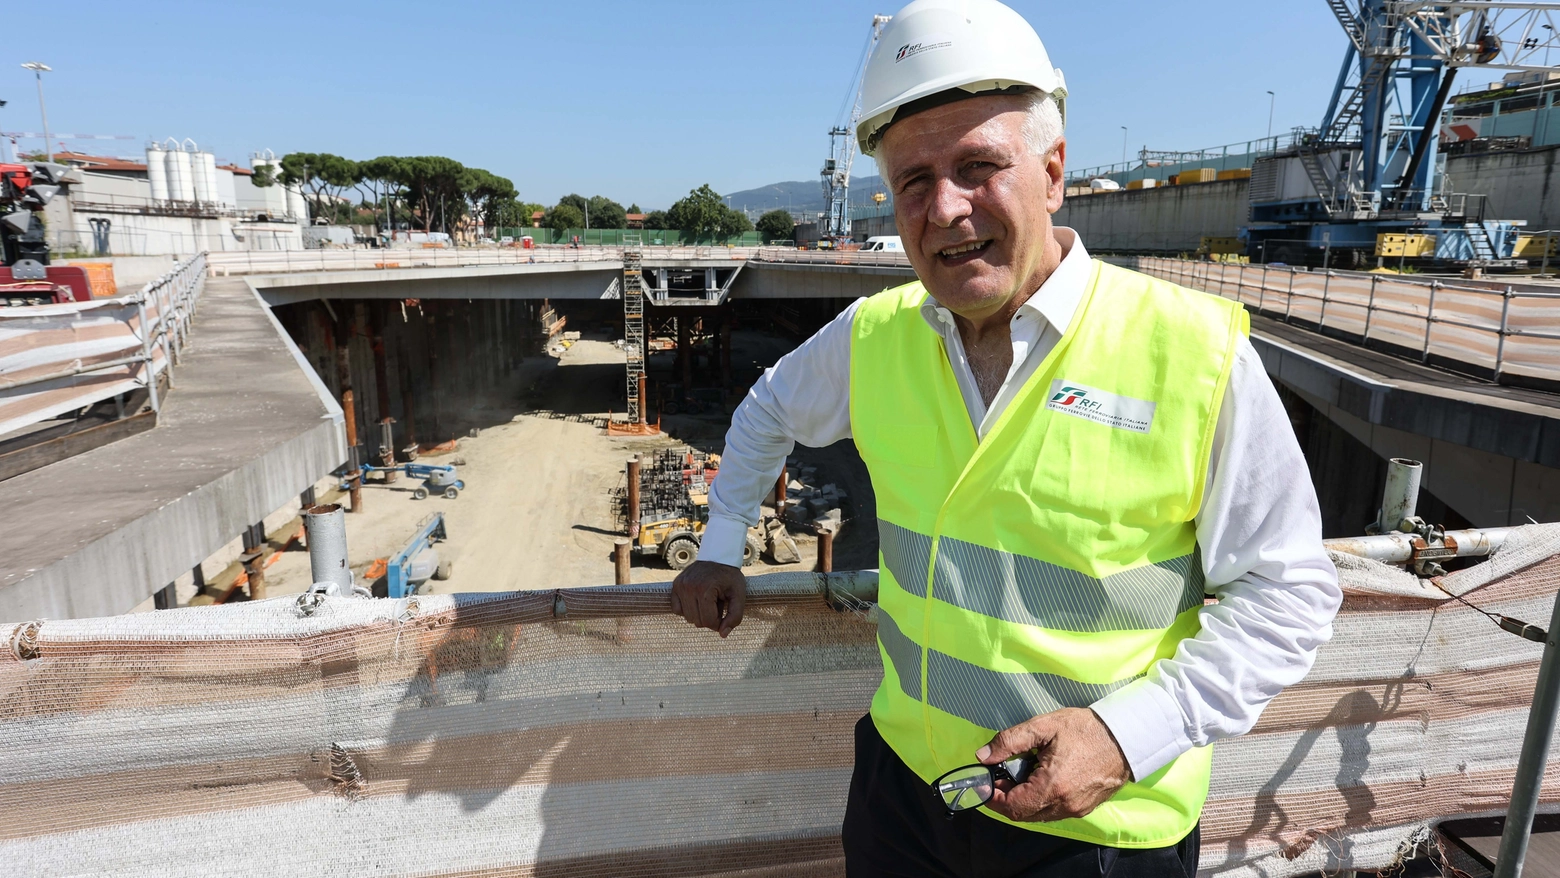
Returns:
(1374, 308)
(147, 330)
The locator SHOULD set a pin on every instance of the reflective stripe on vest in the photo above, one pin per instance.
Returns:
(1054, 561)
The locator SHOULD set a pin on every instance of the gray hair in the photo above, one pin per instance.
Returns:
(1043, 128)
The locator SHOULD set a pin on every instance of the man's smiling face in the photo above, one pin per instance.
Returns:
(972, 201)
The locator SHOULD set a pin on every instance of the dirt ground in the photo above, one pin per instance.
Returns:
(536, 511)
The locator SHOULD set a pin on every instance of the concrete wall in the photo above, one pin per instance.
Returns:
(1520, 185)
(1168, 219)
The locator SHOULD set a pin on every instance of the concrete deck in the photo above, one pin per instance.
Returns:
(245, 429)
(1396, 392)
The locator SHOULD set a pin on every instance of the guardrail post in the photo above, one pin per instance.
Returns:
(1262, 290)
(1289, 298)
(1321, 320)
(146, 352)
(1500, 343)
(1370, 308)
(1424, 355)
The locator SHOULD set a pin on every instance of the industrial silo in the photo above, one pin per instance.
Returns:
(207, 171)
(295, 204)
(181, 182)
(157, 172)
(204, 190)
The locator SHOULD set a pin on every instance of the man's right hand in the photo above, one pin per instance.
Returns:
(710, 595)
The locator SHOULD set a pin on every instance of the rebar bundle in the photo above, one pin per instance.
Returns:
(669, 480)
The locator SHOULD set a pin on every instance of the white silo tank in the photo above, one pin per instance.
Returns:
(157, 172)
(203, 191)
(208, 172)
(227, 194)
(296, 205)
(181, 183)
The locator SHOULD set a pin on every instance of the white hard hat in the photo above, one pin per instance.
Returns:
(933, 46)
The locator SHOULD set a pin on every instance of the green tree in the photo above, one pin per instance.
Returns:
(634, 208)
(432, 189)
(528, 210)
(776, 225)
(264, 176)
(324, 175)
(564, 216)
(732, 223)
(700, 215)
(656, 219)
(606, 213)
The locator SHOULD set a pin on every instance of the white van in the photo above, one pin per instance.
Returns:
(884, 242)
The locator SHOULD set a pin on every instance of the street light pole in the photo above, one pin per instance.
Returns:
(38, 68)
(1123, 147)
(1271, 99)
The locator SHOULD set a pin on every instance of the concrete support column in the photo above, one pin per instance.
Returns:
(253, 559)
(684, 356)
(166, 598)
(633, 497)
(349, 413)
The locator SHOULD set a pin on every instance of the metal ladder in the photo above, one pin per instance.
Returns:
(1350, 21)
(1479, 240)
(633, 322)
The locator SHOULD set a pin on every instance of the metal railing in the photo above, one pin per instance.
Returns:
(886, 258)
(1504, 333)
(389, 258)
(77, 354)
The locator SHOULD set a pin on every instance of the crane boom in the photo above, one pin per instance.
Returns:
(1372, 151)
(842, 151)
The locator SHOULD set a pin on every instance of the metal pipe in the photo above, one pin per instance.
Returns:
(825, 550)
(1535, 750)
(1400, 497)
(73, 372)
(633, 498)
(349, 413)
(326, 530)
(620, 561)
(1399, 548)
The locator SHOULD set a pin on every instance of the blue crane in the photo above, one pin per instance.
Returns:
(1371, 163)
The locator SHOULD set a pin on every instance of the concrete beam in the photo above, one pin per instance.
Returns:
(543, 280)
(770, 280)
(1394, 392)
(246, 428)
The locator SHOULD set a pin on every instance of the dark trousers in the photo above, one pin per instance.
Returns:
(894, 826)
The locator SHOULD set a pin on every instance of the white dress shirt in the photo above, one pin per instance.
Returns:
(1259, 527)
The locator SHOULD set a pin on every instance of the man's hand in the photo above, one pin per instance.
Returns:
(710, 595)
(1079, 766)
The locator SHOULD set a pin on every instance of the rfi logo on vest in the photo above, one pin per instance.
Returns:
(1101, 407)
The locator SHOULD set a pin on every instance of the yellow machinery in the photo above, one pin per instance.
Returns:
(1408, 246)
(676, 540)
(1220, 246)
(1533, 246)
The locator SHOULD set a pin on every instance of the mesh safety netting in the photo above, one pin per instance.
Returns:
(585, 732)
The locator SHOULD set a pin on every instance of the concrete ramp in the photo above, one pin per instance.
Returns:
(245, 429)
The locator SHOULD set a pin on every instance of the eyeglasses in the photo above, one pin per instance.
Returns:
(971, 786)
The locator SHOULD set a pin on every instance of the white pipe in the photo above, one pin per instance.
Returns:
(1398, 548)
(1401, 495)
(326, 527)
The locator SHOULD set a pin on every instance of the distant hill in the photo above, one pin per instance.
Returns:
(801, 196)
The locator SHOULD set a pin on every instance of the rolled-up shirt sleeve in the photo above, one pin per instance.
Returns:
(803, 398)
(1260, 534)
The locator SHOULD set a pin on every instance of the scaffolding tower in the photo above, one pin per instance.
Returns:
(634, 323)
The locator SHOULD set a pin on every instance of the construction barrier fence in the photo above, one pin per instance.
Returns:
(587, 732)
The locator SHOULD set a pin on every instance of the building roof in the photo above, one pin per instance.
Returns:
(635, 217)
(538, 214)
(236, 169)
(99, 162)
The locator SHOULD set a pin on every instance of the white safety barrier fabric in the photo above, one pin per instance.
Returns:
(586, 732)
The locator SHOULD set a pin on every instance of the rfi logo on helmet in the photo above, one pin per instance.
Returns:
(910, 50)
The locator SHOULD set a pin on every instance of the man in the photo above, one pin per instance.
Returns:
(1067, 457)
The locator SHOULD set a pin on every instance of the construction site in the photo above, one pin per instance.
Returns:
(372, 567)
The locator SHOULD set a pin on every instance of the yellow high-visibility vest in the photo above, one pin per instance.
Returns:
(1054, 561)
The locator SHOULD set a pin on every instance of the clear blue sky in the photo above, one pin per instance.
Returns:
(639, 101)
